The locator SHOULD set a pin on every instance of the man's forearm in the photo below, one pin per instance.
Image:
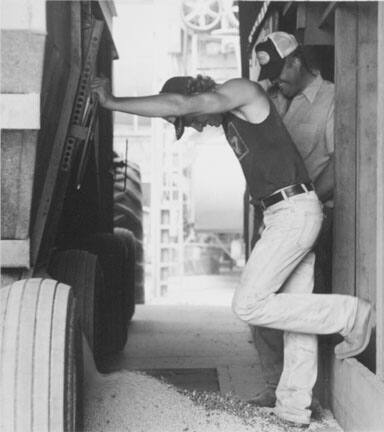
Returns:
(148, 106)
(324, 184)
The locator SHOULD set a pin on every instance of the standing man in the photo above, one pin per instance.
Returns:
(276, 285)
(306, 103)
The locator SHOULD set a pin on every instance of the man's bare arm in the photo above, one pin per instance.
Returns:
(231, 95)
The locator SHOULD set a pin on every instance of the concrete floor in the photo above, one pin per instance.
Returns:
(193, 327)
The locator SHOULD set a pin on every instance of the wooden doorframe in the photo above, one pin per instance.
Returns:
(357, 393)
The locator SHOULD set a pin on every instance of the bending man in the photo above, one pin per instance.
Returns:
(276, 285)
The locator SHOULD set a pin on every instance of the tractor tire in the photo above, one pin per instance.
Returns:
(128, 218)
(139, 272)
(112, 255)
(130, 243)
(82, 271)
(41, 365)
(139, 277)
(128, 214)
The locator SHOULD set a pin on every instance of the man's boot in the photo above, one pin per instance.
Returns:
(358, 338)
(266, 398)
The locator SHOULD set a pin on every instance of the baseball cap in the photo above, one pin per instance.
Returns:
(181, 85)
(271, 53)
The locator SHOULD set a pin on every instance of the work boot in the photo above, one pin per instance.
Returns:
(358, 338)
(291, 423)
(266, 398)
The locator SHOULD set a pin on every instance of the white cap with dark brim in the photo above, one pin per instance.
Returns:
(271, 53)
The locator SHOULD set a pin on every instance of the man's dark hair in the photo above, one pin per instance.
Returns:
(309, 57)
(202, 84)
(317, 58)
(187, 85)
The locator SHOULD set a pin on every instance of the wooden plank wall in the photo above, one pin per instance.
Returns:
(357, 389)
(357, 397)
(345, 150)
(366, 162)
(366, 166)
(380, 198)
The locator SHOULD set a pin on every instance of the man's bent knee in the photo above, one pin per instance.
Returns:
(247, 308)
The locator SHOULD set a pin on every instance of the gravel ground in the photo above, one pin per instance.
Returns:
(134, 402)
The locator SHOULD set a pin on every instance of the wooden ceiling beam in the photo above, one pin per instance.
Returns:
(328, 13)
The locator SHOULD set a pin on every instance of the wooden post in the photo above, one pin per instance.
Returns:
(344, 259)
(380, 198)
(357, 389)
(366, 164)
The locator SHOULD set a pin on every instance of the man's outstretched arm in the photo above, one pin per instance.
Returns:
(231, 95)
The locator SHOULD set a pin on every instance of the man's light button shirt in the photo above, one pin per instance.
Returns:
(309, 120)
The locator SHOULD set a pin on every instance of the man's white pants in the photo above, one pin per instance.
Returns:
(276, 292)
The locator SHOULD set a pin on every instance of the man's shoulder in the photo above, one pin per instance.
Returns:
(327, 88)
(250, 100)
(242, 90)
(240, 84)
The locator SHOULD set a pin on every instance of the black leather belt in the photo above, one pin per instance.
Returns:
(285, 193)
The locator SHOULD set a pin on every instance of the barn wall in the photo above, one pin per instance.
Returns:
(357, 389)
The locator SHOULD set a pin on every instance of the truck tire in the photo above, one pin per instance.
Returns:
(112, 255)
(41, 365)
(130, 243)
(82, 271)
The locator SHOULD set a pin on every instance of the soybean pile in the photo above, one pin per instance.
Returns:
(135, 402)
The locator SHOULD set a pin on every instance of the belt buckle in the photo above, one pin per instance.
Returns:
(283, 193)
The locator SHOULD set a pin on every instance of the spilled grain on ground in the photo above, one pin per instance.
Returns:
(134, 402)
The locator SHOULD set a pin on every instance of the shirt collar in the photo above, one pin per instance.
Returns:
(311, 90)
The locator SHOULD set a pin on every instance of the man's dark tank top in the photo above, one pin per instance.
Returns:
(266, 152)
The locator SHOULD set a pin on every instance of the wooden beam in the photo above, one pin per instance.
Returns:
(301, 15)
(287, 7)
(344, 258)
(328, 14)
(15, 253)
(380, 199)
(313, 34)
(366, 163)
(357, 396)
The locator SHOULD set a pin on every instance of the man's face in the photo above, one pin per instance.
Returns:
(289, 80)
